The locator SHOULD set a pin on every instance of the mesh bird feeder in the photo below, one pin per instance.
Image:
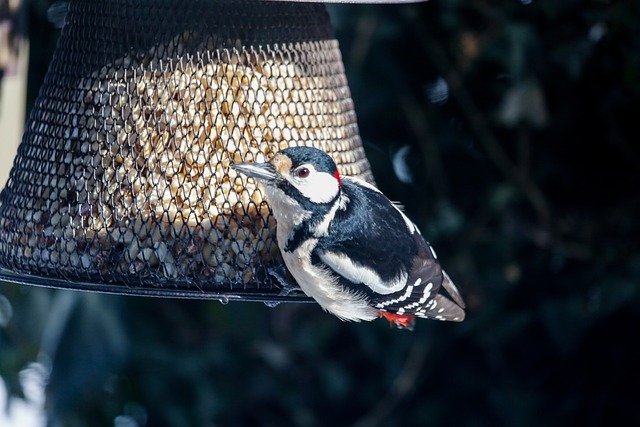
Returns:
(122, 181)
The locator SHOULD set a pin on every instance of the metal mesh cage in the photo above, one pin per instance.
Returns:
(122, 180)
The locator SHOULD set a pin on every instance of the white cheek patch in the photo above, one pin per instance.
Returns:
(318, 187)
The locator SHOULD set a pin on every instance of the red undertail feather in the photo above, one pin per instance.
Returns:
(401, 321)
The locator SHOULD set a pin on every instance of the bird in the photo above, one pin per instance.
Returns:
(348, 246)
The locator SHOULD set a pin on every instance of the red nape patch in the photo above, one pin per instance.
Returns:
(401, 321)
(336, 175)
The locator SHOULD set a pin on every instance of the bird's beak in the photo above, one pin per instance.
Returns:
(264, 172)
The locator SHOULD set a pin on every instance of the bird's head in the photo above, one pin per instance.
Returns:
(304, 174)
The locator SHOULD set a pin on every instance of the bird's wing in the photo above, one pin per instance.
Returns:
(361, 273)
(451, 289)
(369, 241)
(410, 293)
(386, 253)
(421, 296)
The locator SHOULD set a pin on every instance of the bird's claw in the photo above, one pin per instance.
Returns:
(283, 279)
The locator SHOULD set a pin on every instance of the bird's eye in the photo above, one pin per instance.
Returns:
(303, 172)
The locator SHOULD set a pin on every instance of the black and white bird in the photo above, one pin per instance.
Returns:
(348, 246)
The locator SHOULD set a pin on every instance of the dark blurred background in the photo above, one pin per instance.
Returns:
(509, 130)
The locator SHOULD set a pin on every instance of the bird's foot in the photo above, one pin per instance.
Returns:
(283, 280)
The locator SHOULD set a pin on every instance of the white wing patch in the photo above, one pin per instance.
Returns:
(359, 274)
(322, 285)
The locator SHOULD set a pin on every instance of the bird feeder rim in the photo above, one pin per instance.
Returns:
(8, 276)
(353, 1)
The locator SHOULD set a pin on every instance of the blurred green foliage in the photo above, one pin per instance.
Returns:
(514, 130)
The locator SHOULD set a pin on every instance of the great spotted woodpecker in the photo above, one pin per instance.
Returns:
(349, 247)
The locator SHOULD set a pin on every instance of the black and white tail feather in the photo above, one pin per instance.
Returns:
(349, 247)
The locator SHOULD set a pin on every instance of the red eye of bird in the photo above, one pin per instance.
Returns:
(303, 172)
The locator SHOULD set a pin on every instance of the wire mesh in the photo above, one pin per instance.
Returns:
(122, 178)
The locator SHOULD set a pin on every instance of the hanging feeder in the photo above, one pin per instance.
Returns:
(122, 181)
